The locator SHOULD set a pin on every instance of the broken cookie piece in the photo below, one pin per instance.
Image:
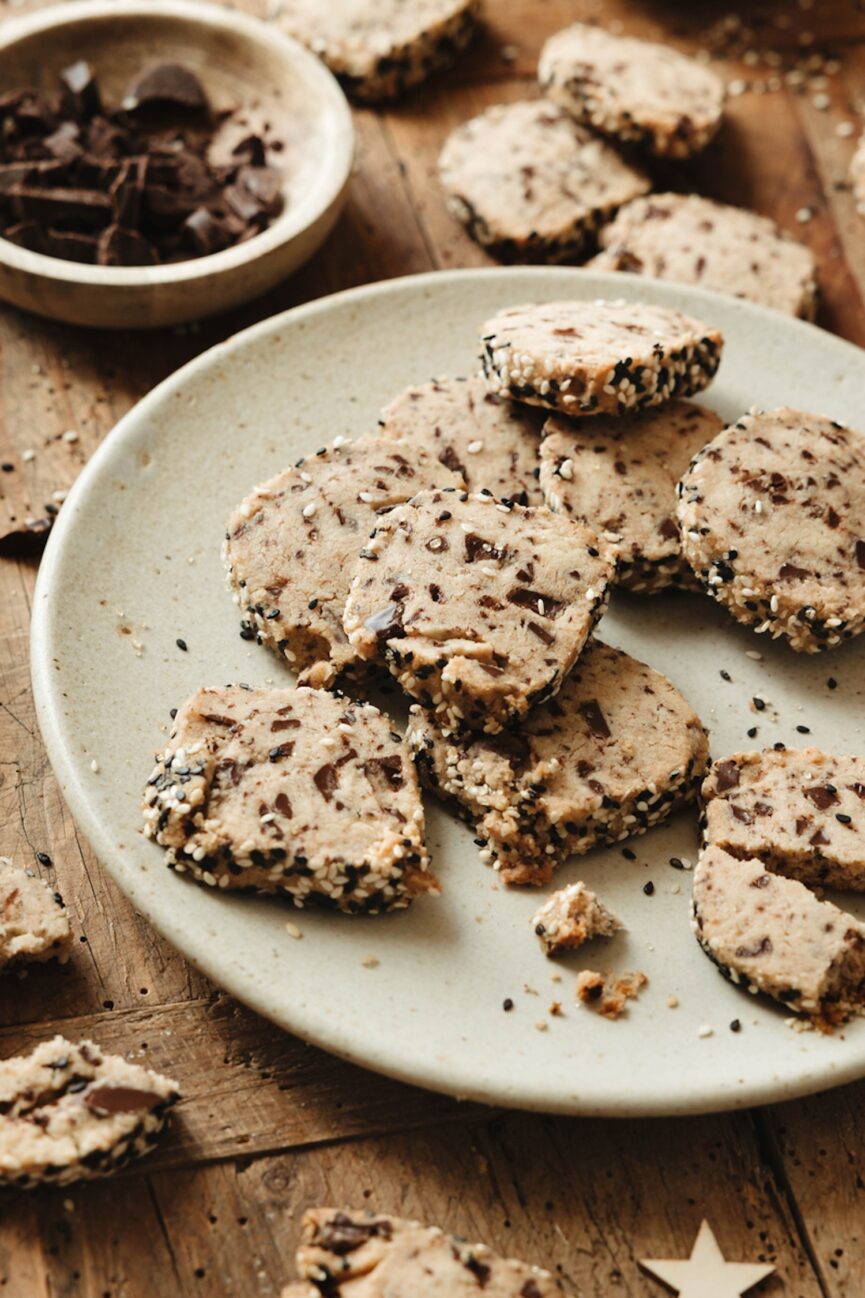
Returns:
(572, 916)
(608, 994)
(34, 923)
(299, 792)
(71, 1112)
(478, 608)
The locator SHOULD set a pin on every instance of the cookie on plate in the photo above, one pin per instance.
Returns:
(377, 49)
(634, 90)
(615, 752)
(291, 545)
(72, 1112)
(772, 515)
(479, 609)
(34, 923)
(299, 792)
(531, 184)
(492, 444)
(692, 240)
(346, 1250)
(770, 934)
(597, 358)
(801, 812)
(619, 474)
(572, 916)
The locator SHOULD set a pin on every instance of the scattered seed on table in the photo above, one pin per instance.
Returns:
(648, 888)
(181, 644)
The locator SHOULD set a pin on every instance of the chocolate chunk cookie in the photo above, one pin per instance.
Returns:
(478, 608)
(34, 923)
(492, 444)
(772, 515)
(291, 546)
(597, 358)
(532, 184)
(770, 934)
(691, 240)
(572, 916)
(292, 791)
(71, 1113)
(619, 473)
(634, 90)
(611, 755)
(802, 813)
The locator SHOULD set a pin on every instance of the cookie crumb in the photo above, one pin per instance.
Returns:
(672, 1002)
(370, 962)
(608, 996)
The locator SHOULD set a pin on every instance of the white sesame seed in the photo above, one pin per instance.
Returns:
(309, 510)
(566, 470)
(804, 214)
(821, 102)
(705, 1031)
(292, 930)
(70, 435)
(845, 130)
(94, 766)
(474, 447)
(365, 496)
(28, 455)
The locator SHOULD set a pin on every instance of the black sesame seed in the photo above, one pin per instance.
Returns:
(7, 468)
(648, 888)
(804, 730)
(628, 854)
(173, 713)
(313, 603)
(181, 644)
(43, 858)
(832, 683)
(725, 676)
(759, 704)
(752, 732)
(677, 863)
(844, 819)
(736, 1025)
(507, 1004)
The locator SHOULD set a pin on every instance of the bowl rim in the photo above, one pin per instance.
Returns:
(289, 225)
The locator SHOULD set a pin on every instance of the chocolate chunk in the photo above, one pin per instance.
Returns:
(388, 769)
(822, 796)
(127, 191)
(545, 605)
(595, 719)
(85, 206)
(726, 776)
(80, 90)
(119, 247)
(205, 232)
(477, 549)
(326, 779)
(64, 144)
(166, 84)
(120, 1099)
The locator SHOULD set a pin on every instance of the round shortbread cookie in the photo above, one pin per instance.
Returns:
(616, 751)
(530, 183)
(479, 609)
(772, 515)
(597, 358)
(619, 475)
(34, 923)
(291, 546)
(379, 48)
(770, 934)
(635, 90)
(492, 444)
(691, 240)
(292, 791)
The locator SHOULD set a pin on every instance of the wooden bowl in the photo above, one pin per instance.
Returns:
(243, 65)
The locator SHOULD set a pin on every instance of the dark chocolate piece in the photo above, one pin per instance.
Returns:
(165, 83)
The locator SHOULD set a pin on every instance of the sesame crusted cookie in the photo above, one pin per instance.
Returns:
(371, 1253)
(70, 1113)
(620, 474)
(530, 183)
(692, 240)
(34, 923)
(300, 792)
(597, 358)
(572, 916)
(478, 608)
(770, 934)
(611, 755)
(772, 515)
(637, 91)
(492, 444)
(291, 546)
(801, 812)
(377, 49)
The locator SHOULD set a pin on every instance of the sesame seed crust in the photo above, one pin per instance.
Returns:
(34, 923)
(620, 475)
(596, 358)
(772, 516)
(378, 49)
(293, 791)
(613, 754)
(636, 91)
(70, 1112)
(529, 182)
(478, 609)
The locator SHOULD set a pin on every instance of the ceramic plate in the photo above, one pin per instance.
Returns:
(133, 564)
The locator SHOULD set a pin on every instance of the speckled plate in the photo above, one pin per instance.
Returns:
(134, 564)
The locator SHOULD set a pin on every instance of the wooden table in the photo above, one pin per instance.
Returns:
(269, 1125)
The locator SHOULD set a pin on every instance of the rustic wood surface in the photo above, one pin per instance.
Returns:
(269, 1125)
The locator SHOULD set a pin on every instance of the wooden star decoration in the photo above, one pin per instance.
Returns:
(706, 1274)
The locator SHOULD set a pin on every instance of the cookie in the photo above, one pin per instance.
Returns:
(772, 515)
(479, 609)
(608, 994)
(800, 812)
(34, 923)
(636, 91)
(597, 358)
(572, 916)
(377, 49)
(691, 240)
(620, 475)
(291, 546)
(492, 444)
(299, 792)
(615, 752)
(373, 1253)
(72, 1113)
(770, 934)
(531, 184)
